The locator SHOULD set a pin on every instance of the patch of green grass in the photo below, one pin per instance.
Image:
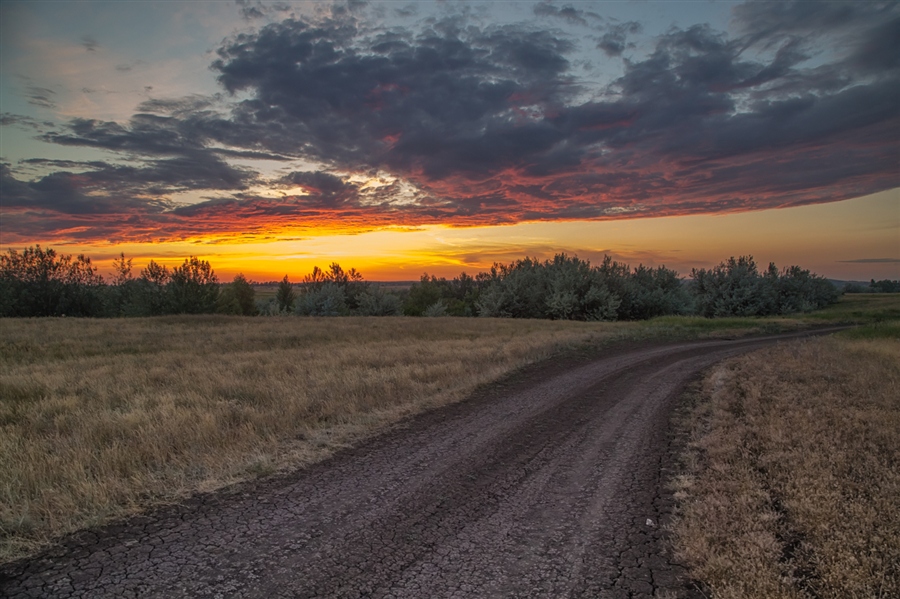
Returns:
(859, 308)
(694, 327)
(876, 330)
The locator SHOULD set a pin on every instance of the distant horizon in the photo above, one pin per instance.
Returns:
(443, 137)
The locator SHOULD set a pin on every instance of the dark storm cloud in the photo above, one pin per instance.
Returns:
(322, 182)
(66, 193)
(166, 156)
(452, 101)
(324, 189)
(491, 125)
(445, 99)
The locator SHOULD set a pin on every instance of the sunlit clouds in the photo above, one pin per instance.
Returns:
(290, 123)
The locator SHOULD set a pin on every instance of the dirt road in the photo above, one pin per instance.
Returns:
(548, 485)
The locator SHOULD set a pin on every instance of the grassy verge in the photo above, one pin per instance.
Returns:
(792, 476)
(862, 308)
(101, 418)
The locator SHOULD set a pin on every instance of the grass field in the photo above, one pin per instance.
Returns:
(792, 478)
(102, 418)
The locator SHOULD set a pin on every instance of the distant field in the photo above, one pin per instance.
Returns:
(100, 418)
(792, 482)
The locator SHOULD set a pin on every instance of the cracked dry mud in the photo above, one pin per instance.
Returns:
(548, 485)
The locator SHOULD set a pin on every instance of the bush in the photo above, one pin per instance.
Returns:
(422, 295)
(653, 292)
(518, 290)
(884, 286)
(575, 291)
(285, 295)
(193, 288)
(736, 288)
(350, 283)
(730, 289)
(327, 299)
(41, 282)
(152, 291)
(237, 298)
(438, 308)
(376, 302)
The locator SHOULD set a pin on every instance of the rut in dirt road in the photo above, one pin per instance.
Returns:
(549, 486)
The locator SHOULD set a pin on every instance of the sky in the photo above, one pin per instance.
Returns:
(404, 137)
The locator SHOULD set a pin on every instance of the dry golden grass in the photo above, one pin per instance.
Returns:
(99, 418)
(793, 478)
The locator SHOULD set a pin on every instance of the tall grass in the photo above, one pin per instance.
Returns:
(101, 417)
(792, 484)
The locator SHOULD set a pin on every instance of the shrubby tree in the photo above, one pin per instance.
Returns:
(563, 288)
(238, 297)
(125, 292)
(377, 302)
(730, 289)
(193, 287)
(575, 291)
(38, 282)
(855, 288)
(153, 291)
(517, 290)
(285, 295)
(438, 308)
(884, 286)
(351, 283)
(458, 295)
(423, 294)
(798, 290)
(736, 288)
(651, 292)
(327, 299)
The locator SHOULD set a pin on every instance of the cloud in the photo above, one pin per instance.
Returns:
(410, 10)
(90, 43)
(437, 102)
(474, 124)
(872, 261)
(8, 119)
(567, 13)
(473, 105)
(614, 41)
(42, 97)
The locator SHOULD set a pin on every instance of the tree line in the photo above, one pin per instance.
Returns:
(873, 286)
(39, 282)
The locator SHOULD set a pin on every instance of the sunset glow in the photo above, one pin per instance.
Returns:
(444, 137)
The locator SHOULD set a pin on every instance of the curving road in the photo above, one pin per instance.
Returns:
(548, 485)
